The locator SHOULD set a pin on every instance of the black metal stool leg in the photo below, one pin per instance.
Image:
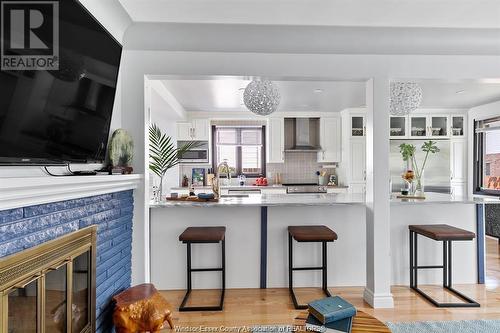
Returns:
(323, 268)
(447, 275)
(219, 307)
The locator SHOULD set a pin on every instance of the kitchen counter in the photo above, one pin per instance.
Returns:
(443, 198)
(273, 200)
(244, 187)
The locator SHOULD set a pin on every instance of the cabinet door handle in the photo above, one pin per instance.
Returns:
(364, 130)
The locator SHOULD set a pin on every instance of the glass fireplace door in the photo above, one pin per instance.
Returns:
(22, 305)
(56, 292)
(81, 292)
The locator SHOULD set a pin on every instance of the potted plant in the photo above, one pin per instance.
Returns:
(164, 153)
(408, 151)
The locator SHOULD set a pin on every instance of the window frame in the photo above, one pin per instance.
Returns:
(478, 163)
(239, 161)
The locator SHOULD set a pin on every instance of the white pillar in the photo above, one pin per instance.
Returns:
(378, 258)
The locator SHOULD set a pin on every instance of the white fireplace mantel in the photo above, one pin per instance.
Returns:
(27, 191)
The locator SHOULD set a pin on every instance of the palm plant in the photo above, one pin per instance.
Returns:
(164, 153)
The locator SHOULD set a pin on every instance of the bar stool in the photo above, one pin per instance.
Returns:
(203, 235)
(313, 234)
(446, 234)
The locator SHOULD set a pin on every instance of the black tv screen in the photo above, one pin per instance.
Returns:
(52, 116)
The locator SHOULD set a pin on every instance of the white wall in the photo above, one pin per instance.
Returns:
(485, 111)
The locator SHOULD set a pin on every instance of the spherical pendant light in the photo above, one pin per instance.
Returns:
(405, 98)
(261, 97)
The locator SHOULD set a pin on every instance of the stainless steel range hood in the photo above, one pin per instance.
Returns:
(302, 135)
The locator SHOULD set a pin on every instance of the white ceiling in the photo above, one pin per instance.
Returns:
(379, 13)
(226, 94)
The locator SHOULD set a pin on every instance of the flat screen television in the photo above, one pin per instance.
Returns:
(62, 116)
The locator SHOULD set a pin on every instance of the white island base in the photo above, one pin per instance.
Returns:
(346, 256)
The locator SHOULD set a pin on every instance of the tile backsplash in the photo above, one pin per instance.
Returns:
(299, 167)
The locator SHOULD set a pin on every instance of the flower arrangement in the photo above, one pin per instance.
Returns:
(408, 151)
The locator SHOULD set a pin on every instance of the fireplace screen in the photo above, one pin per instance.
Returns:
(50, 288)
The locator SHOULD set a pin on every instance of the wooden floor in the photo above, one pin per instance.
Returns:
(273, 306)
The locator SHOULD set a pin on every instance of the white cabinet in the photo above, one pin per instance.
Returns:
(358, 125)
(184, 132)
(399, 127)
(357, 188)
(197, 130)
(330, 140)
(458, 128)
(275, 152)
(201, 128)
(336, 190)
(273, 190)
(358, 160)
(439, 126)
(458, 160)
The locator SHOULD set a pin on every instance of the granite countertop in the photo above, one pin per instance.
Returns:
(443, 198)
(271, 200)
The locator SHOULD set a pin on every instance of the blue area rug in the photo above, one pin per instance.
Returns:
(459, 326)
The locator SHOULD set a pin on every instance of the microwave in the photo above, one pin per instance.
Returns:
(198, 154)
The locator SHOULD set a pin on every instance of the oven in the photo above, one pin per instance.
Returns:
(198, 154)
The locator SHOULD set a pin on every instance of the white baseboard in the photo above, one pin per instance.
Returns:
(378, 301)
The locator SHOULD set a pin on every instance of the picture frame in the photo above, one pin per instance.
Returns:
(198, 177)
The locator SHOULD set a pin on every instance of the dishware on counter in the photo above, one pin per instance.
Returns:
(333, 180)
(241, 180)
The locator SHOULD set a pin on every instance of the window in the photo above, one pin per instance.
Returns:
(242, 148)
(487, 157)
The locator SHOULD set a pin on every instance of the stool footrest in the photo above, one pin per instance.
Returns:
(217, 269)
(428, 267)
(307, 268)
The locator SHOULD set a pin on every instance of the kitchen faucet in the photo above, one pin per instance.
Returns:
(223, 167)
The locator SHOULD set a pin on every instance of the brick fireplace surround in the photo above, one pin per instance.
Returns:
(22, 228)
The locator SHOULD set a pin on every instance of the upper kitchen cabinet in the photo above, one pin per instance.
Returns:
(438, 126)
(275, 140)
(358, 127)
(457, 126)
(399, 127)
(196, 130)
(330, 140)
(418, 126)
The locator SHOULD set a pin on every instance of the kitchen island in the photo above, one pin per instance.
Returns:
(257, 247)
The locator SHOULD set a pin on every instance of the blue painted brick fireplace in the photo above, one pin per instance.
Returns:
(22, 228)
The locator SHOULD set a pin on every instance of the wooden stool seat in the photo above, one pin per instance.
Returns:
(140, 309)
(203, 234)
(312, 233)
(442, 232)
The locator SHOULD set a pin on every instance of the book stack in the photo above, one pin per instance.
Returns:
(331, 314)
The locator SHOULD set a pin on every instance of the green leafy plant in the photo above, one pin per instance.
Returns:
(164, 153)
(408, 151)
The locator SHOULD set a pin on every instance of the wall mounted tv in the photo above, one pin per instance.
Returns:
(57, 116)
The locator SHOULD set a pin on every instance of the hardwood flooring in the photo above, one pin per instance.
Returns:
(273, 306)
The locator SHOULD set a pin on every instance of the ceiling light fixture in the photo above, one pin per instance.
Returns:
(261, 97)
(405, 97)
(318, 91)
(460, 92)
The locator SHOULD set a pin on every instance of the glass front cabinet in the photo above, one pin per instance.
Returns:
(438, 126)
(457, 126)
(358, 127)
(425, 126)
(399, 127)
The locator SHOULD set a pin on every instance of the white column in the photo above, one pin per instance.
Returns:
(378, 258)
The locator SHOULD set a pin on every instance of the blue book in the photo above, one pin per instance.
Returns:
(340, 326)
(331, 309)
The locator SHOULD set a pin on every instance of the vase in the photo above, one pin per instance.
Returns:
(419, 186)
